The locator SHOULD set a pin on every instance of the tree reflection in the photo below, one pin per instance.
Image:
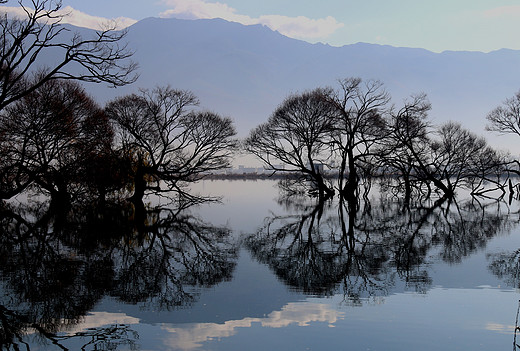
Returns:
(506, 266)
(364, 248)
(57, 263)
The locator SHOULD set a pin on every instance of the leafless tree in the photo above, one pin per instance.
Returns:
(505, 119)
(406, 145)
(23, 41)
(47, 137)
(169, 143)
(461, 157)
(446, 157)
(296, 138)
(360, 125)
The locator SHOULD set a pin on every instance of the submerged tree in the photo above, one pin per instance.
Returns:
(167, 142)
(296, 138)
(405, 144)
(359, 126)
(100, 58)
(446, 157)
(505, 119)
(461, 157)
(48, 139)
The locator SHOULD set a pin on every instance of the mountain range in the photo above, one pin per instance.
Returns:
(245, 72)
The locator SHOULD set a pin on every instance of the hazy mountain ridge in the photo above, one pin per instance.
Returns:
(246, 71)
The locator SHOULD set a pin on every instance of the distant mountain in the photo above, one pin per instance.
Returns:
(246, 71)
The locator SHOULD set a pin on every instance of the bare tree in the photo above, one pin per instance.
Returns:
(405, 144)
(359, 126)
(452, 157)
(460, 157)
(48, 136)
(101, 58)
(168, 143)
(296, 138)
(505, 119)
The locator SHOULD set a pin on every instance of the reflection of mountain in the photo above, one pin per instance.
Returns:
(364, 249)
(56, 265)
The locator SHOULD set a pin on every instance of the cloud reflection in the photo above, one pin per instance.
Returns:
(99, 319)
(500, 328)
(191, 336)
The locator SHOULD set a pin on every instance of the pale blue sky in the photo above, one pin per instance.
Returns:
(437, 25)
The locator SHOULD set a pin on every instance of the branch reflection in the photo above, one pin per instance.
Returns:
(57, 263)
(364, 248)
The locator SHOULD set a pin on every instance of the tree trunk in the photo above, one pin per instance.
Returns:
(139, 185)
(351, 186)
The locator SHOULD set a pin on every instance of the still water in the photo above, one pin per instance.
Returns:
(258, 272)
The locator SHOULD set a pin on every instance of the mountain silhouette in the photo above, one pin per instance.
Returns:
(245, 72)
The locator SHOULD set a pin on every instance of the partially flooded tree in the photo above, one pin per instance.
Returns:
(23, 40)
(406, 146)
(358, 128)
(48, 137)
(454, 157)
(296, 138)
(460, 157)
(168, 143)
(505, 119)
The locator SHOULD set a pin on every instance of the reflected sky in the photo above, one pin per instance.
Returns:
(99, 319)
(468, 301)
(302, 314)
(442, 319)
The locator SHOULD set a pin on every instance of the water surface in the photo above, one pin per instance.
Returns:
(259, 272)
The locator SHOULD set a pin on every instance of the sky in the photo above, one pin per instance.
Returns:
(436, 25)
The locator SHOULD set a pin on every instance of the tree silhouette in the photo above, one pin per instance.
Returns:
(56, 265)
(359, 126)
(167, 142)
(100, 58)
(505, 119)
(297, 135)
(448, 157)
(48, 138)
(361, 247)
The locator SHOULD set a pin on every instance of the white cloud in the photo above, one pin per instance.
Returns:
(78, 18)
(500, 328)
(81, 19)
(295, 27)
(503, 11)
(191, 336)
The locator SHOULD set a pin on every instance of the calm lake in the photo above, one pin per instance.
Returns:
(260, 272)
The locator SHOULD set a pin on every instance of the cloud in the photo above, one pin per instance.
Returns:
(503, 11)
(81, 19)
(296, 27)
(191, 336)
(78, 18)
(500, 328)
(95, 320)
